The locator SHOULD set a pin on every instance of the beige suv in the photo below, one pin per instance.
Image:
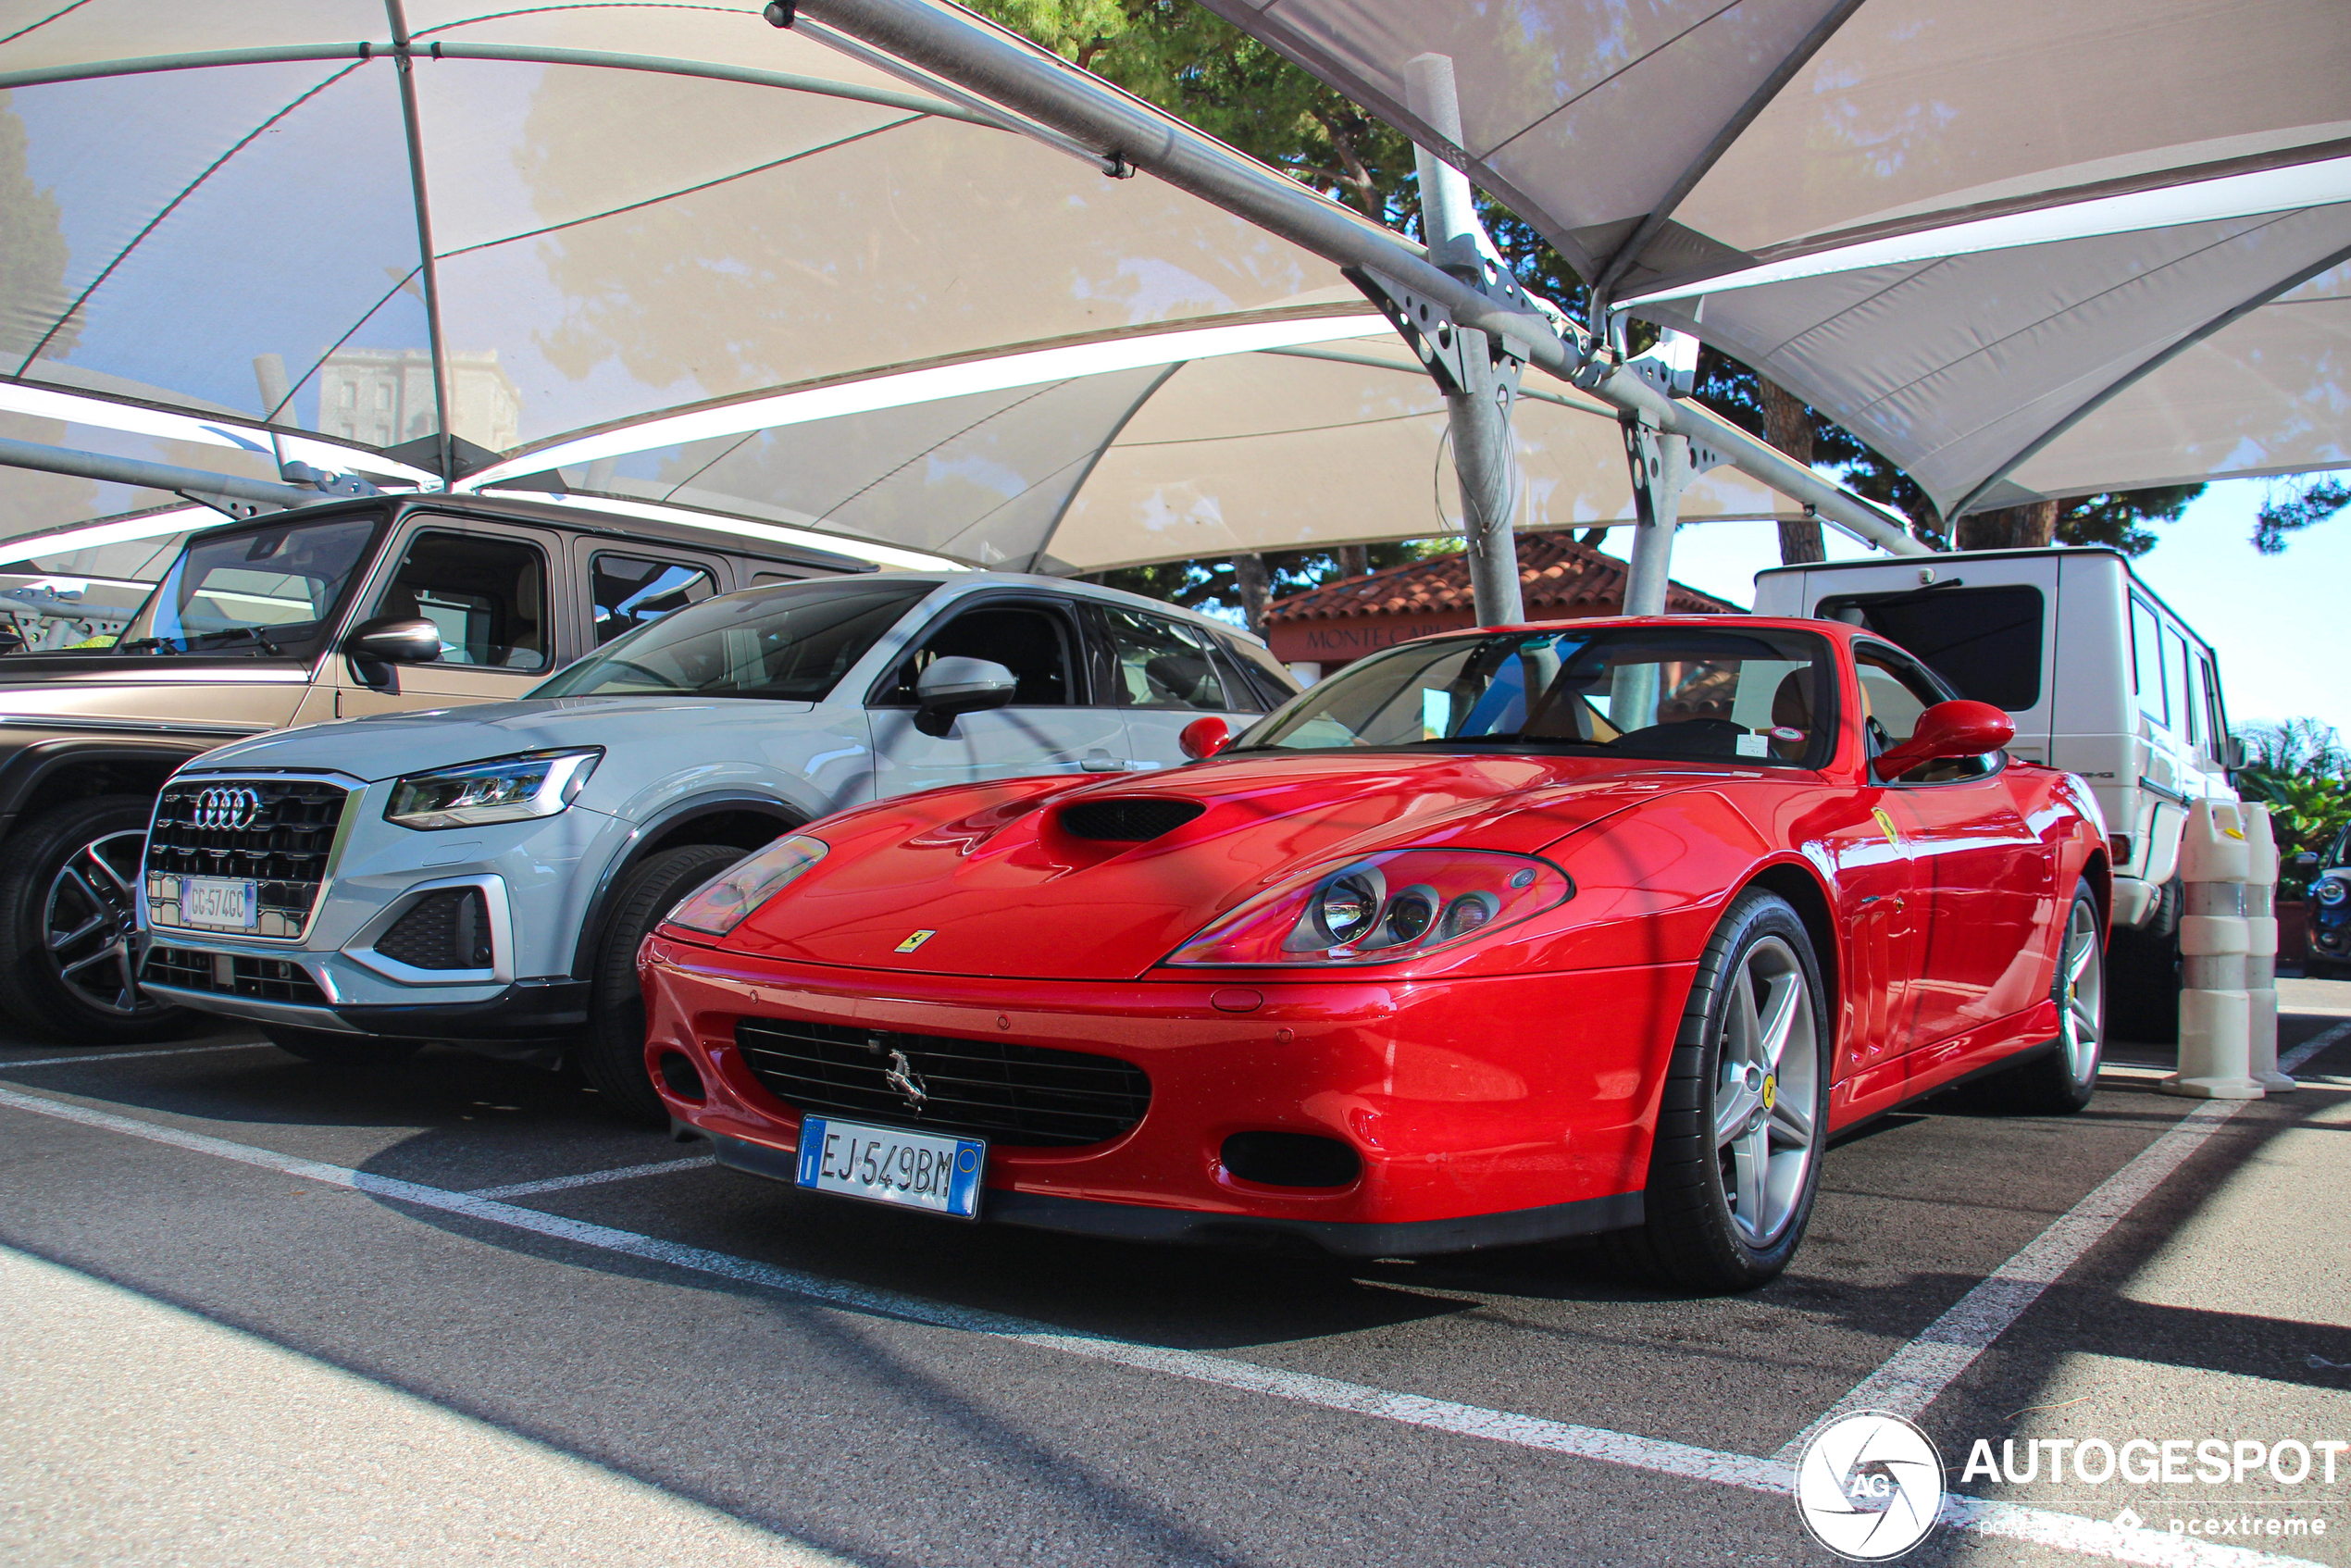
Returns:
(340, 610)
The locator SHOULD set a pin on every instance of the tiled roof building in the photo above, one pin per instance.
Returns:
(1561, 579)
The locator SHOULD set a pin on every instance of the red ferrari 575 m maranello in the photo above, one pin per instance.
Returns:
(1493, 937)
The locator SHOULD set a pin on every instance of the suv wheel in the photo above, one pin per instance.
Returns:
(69, 937)
(613, 1056)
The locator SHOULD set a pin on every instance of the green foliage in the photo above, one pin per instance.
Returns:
(2301, 772)
(1210, 585)
(2299, 508)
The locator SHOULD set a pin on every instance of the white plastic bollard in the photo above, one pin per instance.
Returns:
(2261, 951)
(2215, 1013)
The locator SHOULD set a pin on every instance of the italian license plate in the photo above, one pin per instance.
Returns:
(222, 903)
(914, 1170)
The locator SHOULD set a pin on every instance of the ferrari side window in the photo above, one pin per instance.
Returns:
(1895, 692)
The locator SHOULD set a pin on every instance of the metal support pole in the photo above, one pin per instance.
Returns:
(1050, 90)
(153, 475)
(1661, 466)
(1479, 408)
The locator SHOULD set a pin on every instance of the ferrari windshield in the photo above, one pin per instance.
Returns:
(789, 643)
(1706, 693)
(267, 589)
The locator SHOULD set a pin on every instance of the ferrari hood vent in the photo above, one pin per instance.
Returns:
(1129, 820)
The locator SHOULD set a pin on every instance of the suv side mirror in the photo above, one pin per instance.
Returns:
(954, 686)
(1960, 728)
(375, 646)
(2232, 753)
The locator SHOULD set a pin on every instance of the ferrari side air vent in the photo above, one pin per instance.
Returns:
(1128, 821)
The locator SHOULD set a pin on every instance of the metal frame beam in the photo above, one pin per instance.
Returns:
(1042, 87)
(166, 477)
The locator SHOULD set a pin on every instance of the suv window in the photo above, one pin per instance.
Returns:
(273, 586)
(487, 595)
(1033, 643)
(784, 644)
(1986, 642)
(1895, 692)
(2147, 652)
(633, 591)
(1159, 663)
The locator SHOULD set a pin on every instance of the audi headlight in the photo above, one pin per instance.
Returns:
(1381, 909)
(720, 905)
(2332, 891)
(502, 789)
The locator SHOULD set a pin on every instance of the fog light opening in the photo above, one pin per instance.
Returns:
(1290, 1159)
(678, 1075)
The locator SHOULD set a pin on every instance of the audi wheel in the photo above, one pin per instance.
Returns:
(69, 937)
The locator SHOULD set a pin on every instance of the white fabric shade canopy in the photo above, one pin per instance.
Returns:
(2021, 247)
(677, 257)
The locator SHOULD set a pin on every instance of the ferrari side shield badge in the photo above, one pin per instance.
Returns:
(1884, 823)
(915, 940)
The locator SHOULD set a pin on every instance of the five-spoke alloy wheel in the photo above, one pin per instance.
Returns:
(1735, 1159)
(69, 938)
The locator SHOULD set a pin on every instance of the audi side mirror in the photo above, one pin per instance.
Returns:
(2307, 857)
(1203, 738)
(954, 686)
(1960, 728)
(376, 645)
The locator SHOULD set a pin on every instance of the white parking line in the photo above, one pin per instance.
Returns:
(2011, 1520)
(132, 1055)
(593, 1178)
(1914, 1376)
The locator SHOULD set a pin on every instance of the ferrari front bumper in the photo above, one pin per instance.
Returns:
(1480, 1112)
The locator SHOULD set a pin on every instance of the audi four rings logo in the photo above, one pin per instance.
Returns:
(227, 808)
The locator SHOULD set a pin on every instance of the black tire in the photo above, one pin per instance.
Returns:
(2060, 1081)
(2143, 975)
(1695, 1238)
(612, 1055)
(70, 942)
(329, 1048)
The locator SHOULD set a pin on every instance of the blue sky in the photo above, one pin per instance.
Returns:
(2282, 624)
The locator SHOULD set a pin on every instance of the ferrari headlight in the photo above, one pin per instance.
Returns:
(2332, 891)
(1381, 908)
(502, 789)
(720, 905)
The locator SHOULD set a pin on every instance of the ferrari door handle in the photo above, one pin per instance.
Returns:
(1102, 762)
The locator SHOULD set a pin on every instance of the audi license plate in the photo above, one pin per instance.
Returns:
(914, 1170)
(221, 903)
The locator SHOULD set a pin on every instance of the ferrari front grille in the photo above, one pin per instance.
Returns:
(1129, 820)
(1023, 1096)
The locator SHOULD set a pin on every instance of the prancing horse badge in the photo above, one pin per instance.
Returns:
(917, 940)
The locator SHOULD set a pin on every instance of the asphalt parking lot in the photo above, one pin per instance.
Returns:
(264, 1313)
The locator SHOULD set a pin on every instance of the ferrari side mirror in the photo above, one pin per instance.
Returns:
(1203, 738)
(955, 686)
(375, 646)
(1960, 728)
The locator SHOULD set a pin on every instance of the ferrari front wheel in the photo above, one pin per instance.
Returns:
(1736, 1160)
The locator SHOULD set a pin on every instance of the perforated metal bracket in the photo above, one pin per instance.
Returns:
(1670, 364)
(230, 505)
(1462, 360)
